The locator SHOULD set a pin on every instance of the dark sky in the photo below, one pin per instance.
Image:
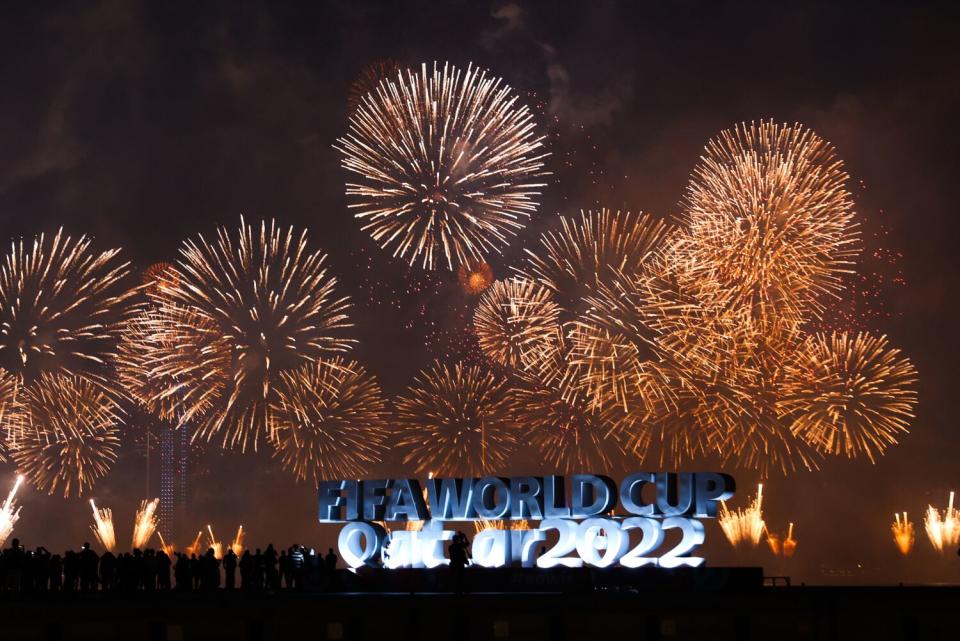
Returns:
(144, 124)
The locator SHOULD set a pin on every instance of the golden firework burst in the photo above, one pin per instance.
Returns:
(517, 323)
(68, 431)
(849, 394)
(459, 419)
(331, 420)
(447, 165)
(474, 276)
(768, 217)
(271, 300)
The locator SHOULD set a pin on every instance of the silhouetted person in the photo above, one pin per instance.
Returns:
(71, 570)
(211, 571)
(181, 572)
(458, 561)
(56, 573)
(196, 571)
(230, 569)
(163, 570)
(108, 571)
(286, 570)
(271, 577)
(88, 568)
(258, 570)
(14, 559)
(246, 570)
(295, 560)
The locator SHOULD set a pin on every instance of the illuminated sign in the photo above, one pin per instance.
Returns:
(579, 520)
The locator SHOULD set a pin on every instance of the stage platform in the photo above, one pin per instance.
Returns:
(715, 605)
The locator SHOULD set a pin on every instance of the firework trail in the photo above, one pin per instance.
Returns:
(145, 523)
(447, 165)
(943, 529)
(68, 434)
(850, 394)
(103, 527)
(457, 420)
(194, 548)
(904, 534)
(789, 543)
(212, 542)
(744, 525)
(330, 419)
(9, 512)
(237, 543)
(168, 548)
(474, 276)
(270, 299)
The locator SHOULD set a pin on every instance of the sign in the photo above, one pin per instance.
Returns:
(586, 519)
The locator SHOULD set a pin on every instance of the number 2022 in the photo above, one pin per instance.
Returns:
(602, 542)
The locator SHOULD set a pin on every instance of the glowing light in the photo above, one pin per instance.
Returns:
(103, 527)
(943, 529)
(145, 523)
(10, 512)
(789, 543)
(745, 525)
(904, 534)
(194, 548)
(446, 164)
(474, 276)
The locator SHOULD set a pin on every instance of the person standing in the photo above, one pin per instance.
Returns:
(89, 562)
(230, 569)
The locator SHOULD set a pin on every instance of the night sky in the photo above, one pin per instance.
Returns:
(143, 124)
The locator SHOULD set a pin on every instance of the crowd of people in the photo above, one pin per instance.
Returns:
(38, 570)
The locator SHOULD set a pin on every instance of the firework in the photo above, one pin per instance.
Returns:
(588, 251)
(68, 434)
(272, 301)
(9, 386)
(517, 324)
(474, 276)
(789, 543)
(160, 277)
(943, 529)
(330, 419)
(368, 80)
(168, 548)
(569, 435)
(214, 544)
(903, 533)
(145, 523)
(457, 420)
(768, 217)
(103, 527)
(850, 394)
(499, 524)
(237, 543)
(744, 525)
(194, 548)
(174, 363)
(446, 164)
(9, 512)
